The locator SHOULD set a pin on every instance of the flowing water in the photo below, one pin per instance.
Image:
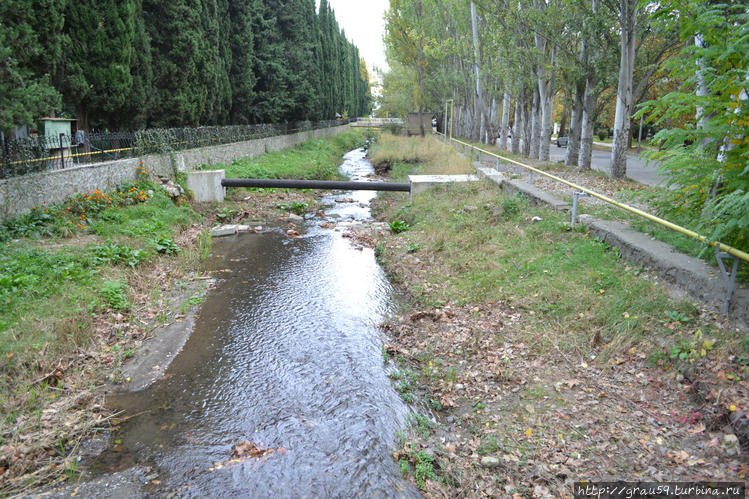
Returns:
(285, 354)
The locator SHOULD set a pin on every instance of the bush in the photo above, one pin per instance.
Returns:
(603, 134)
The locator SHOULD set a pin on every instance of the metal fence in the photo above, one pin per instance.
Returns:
(22, 156)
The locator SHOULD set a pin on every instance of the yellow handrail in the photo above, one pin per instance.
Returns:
(723, 247)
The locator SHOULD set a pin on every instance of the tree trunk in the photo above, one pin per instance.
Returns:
(573, 141)
(528, 116)
(586, 125)
(534, 141)
(547, 102)
(563, 121)
(516, 128)
(504, 127)
(588, 109)
(478, 98)
(491, 128)
(628, 24)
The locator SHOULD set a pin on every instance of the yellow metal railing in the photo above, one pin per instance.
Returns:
(660, 221)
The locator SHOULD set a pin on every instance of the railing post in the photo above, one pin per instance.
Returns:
(62, 152)
(728, 278)
(575, 197)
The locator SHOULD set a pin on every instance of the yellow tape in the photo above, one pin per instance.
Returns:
(76, 155)
(724, 247)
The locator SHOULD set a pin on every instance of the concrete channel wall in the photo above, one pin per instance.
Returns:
(692, 277)
(19, 195)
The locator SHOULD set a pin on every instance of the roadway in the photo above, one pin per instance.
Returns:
(637, 169)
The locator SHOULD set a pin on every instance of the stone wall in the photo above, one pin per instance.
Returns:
(19, 195)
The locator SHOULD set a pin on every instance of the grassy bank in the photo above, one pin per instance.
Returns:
(544, 356)
(658, 201)
(83, 284)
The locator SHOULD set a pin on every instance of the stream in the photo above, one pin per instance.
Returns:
(285, 354)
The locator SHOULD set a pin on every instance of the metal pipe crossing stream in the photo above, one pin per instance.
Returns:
(316, 184)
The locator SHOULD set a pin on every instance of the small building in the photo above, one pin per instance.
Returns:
(414, 127)
(56, 135)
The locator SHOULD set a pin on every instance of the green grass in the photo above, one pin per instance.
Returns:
(316, 159)
(496, 253)
(662, 202)
(53, 281)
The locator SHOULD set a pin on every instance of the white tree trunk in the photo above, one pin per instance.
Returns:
(505, 125)
(586, 125)
(516, 129)
(535, 128)
(573, 142)
(527, 127)
(628, 25)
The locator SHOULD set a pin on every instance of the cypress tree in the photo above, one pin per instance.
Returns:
(30, 51)
(176, 33)
(138, 106)
(98, 55)
(241, 72)
(213, 61)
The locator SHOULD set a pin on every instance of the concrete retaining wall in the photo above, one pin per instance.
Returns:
(19, 195)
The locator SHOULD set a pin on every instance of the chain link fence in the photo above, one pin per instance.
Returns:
(22, 156)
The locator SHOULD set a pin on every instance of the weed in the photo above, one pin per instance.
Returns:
(225, 214)
(71, 469)
(166, 246)
(398, 226)
(296, 207)
(413, 248)
(114, 294)
(423, 424)
(404, 466)
(385, 354)
(489, 445)
(424, 469)
(436, 405)
(114, 254)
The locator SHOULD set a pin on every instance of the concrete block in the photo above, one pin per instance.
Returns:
(491, 175)
(421, 183)
(537, 195)
(206, 185)
(224, 230)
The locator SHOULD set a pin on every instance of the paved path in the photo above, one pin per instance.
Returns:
(637, 169)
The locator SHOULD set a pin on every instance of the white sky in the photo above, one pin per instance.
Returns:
(363, 23)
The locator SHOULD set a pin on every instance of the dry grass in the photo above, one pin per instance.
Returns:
(403, 155)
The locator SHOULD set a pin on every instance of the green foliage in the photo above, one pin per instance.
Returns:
(166, 245)
(316, 159)
(294, 207)
(113, 253)
(32, 273)
(398, 226)
(114, 294)
(707, 160)
(30, 48)
(424, 469)
(138, 63)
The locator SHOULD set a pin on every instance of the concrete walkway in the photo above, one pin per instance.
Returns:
(637, 169)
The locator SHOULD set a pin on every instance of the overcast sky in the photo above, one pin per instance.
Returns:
(363, 23)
